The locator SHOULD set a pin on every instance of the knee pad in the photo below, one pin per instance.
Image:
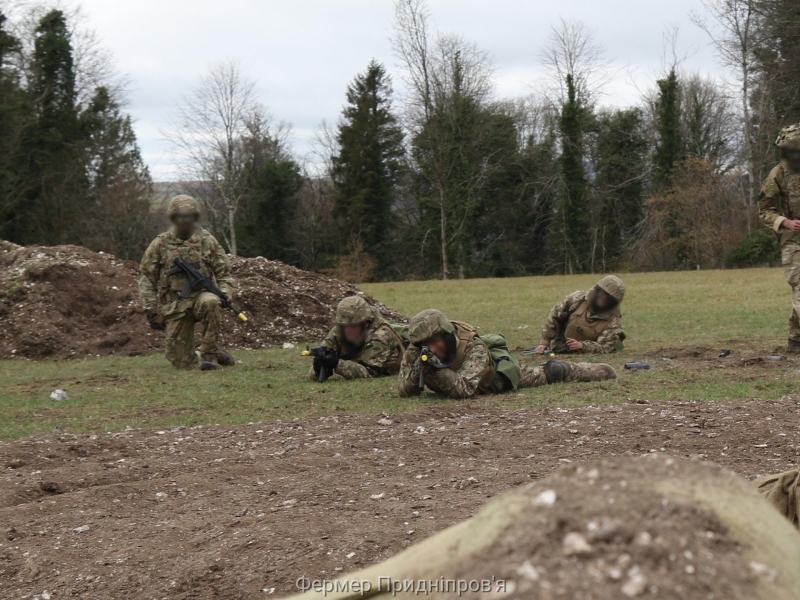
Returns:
(556, 371)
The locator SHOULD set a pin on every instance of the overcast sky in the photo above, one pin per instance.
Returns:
(303, 53)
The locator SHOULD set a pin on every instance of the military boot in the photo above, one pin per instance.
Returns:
(208, 362)
(225, 359)
(557, 371)
(793, 347)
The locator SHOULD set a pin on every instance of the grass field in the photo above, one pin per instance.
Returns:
(743, 310)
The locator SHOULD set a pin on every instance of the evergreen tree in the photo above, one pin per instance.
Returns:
(50, 164)
(620, 164)
(572, 206)
(669, 146)
(119, 217)
(265, 222)
(10, 121)
(366, 170)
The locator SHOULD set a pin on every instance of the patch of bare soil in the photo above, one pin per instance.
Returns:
(244, 512)
(70, 302)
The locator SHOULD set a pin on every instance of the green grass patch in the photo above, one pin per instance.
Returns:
(746, 310)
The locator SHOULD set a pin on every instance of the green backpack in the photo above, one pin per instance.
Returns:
(402, 331)
(506, 365)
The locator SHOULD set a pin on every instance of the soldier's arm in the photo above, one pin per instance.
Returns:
(607, 341)
(770, 202)
(463, 383)
(221, 265)
(406, 385)
(552, 326)
(379, 351)
(149, 274)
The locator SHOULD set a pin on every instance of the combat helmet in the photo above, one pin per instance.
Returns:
(427, 324)
(183, 205)
(353, 310)
(789, 138)
(612, 286)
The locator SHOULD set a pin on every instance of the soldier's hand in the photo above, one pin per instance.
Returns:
(155, 322)
(541, 349)
(574, 345)
(791, 225)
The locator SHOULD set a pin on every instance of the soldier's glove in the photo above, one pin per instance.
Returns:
(330, 361)
(155, 322)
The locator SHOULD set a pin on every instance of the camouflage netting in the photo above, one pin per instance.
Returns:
(623, 528)
(70, 302)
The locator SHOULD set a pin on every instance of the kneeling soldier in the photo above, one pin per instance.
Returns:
(362, 343)
(164, 308)
(451, 359)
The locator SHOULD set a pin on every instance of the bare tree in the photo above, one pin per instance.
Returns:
(441, 69)
(94, 65)
(709, 123)
(209, 131)
(735, 36)
(572, 50)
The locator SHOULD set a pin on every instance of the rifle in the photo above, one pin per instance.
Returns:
(320, 352)
(197, 279)
(532, 352)
(424, 356)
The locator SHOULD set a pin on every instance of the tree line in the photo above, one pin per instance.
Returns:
(70, 167)
(441, 179)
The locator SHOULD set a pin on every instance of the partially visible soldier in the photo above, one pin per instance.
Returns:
(779, 208)
(159, 292)
(464, 365)
(364, 344)
(586, 322)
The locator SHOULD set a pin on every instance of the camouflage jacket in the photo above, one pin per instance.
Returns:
(780, 200)
(599, 333)
(467, 378)
(379, 356)
(159, 292)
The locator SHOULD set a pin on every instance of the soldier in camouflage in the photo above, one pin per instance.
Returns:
(462, 365)
(779, 209)
(165, 311)
(586, 322)
(364, 344)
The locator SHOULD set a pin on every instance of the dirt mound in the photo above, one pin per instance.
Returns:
(70, 302)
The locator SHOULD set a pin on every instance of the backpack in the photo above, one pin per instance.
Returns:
(403, 332)
(506, 365)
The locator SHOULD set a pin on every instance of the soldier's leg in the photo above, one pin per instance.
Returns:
(208, 311)
(791, 270)
(560, 371)
(592, 372)
(532, 377)
(180, 341)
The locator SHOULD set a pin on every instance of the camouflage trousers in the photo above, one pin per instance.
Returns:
(535, 377)
(790, 258)
(205, 308)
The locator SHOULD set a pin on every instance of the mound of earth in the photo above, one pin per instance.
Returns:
(70, 302)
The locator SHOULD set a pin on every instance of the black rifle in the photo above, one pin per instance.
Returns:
(196, 279)
(424, 356)
(321, 352)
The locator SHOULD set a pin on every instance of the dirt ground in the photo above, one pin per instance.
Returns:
(220, 512)
(70, 302)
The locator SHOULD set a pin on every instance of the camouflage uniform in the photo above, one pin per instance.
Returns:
(473, 371)
(379, 354)
(574, 318)
(159, 293)
(779, 201)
